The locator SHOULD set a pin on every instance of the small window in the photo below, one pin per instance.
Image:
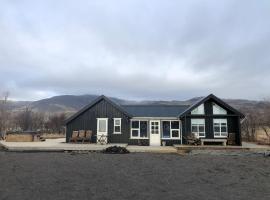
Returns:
(199, 110)
(198, 127)
(117, 126)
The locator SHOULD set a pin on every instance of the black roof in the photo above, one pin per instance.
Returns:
(155, 110)
(102, 97)
(218, 100)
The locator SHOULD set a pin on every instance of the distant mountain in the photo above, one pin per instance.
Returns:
(72, 103)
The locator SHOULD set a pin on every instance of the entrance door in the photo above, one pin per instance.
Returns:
(155, 133)
(102, 130)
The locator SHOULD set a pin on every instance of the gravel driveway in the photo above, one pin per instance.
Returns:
(132, 176)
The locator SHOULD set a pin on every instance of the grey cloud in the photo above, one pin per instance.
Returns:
(135, 49)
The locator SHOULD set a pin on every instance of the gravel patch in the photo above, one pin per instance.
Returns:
(133, 176)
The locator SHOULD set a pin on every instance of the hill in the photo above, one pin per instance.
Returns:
(72, 103)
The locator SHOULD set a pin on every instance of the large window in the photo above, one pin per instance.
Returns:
(171, 129)
(138, 129)
(217, 110)
(220, 128)
(198, 127)
(117, 125)
(199, 110)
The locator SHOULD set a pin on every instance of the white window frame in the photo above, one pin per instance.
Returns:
(114, 125)
(199, 110)
(138, 129)
(106, 119)
(197, 134)
(220, 121)
(179, 130)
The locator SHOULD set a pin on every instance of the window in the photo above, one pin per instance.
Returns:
(102, 125)
(154, 127)
(171, 129)
(199, 110)
(217, 110)
(138, 129)
(198, 127)
(220, 128)
(117, 125)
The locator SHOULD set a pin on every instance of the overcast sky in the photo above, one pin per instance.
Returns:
(135, 49)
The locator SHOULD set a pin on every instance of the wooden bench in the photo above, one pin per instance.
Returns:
(223, 141)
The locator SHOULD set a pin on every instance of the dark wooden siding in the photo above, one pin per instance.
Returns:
(170, 142)
(143, 142)
(233, 122)
(102, 109)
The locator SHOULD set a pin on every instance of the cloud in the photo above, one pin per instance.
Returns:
(135, 49)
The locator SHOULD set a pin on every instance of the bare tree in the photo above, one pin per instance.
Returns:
(56, 122)
(264, 120)
(38, 121)
(4, 113)
(250, 125)
(24, 119)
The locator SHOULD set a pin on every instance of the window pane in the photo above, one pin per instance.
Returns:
(175, 133)
(166, 129)
(143, 128)
(135, 133)
(201, 128)
(135, 124)
(117, 129)
(217, 129)
(197, 121)
(194, 129)
(175, 124)
(102, 125)
(224, 134)
(117, 122)
(217, 134)
(201, 134)
(198, 110)
(223, 129)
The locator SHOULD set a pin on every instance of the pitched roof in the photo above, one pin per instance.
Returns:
(155, 110)
(218, 100)
(102, 97)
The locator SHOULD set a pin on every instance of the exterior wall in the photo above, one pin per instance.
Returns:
(142, 142)
(146, 142)
(233, 123)
(88, 121)
(103, 109)
(171, 142)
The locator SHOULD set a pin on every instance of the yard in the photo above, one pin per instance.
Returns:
(133, 176)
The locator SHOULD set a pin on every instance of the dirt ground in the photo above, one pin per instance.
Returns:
(133, 176)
